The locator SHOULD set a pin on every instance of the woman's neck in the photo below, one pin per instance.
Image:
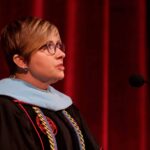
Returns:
(33, 81)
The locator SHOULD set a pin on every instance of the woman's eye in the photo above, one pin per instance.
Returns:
(50, 46)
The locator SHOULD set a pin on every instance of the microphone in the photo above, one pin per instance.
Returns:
(137, 80)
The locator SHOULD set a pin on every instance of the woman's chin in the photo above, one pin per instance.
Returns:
(58, 78)
(61, 76)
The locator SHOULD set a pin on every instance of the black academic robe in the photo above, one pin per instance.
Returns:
(17, 131)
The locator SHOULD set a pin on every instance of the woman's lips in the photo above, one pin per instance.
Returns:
(60, 67)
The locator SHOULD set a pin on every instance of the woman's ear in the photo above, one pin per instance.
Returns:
(19, 61)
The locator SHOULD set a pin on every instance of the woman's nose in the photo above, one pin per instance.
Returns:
(60, 53)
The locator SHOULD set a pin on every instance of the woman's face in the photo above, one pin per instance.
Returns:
(46, 67)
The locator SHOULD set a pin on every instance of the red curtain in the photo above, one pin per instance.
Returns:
(105, 43)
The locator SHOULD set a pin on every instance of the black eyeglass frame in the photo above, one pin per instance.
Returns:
(51, 47)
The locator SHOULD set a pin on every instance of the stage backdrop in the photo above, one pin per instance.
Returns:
(105, 44)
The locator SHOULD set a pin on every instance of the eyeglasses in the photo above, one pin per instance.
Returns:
(51, 47)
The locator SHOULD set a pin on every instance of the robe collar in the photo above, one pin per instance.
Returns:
(50, 99)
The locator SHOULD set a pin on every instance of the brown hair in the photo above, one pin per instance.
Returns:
(23, 36)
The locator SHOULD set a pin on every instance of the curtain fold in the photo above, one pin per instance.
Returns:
(105, 72)
(71, 11)
(141, 15)
(37, 8)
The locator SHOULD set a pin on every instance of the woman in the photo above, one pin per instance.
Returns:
(34, 115)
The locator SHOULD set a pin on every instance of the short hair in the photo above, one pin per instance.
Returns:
(22, 37)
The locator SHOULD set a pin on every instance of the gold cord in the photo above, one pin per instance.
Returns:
(50, 135)
(78, 131)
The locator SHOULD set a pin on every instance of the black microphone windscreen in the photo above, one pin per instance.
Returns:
(136, 80)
